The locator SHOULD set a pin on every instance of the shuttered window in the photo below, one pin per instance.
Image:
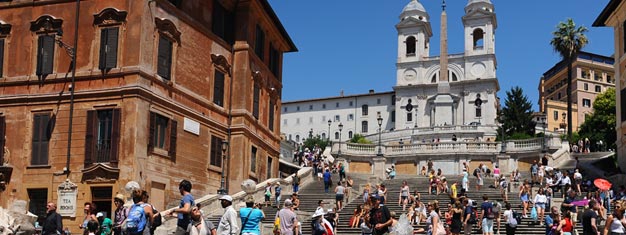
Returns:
(45, 55)
(274, 60)
(1, 56)
(271, 116)
(164, 63)
(255, 107)
(216, 151)
(253, 160)
(259, 45)
(108, 48)
(2, 135)
(163, 134)
(223, 23)
(218, 88)
(42, 130)
(102, 136)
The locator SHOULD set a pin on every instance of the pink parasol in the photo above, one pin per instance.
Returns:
(602, 184)
(583, 202)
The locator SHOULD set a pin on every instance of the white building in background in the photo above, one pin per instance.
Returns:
(431, 106)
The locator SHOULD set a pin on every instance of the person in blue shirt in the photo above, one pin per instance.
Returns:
(327, 183)
(277, 191)
(250, 216)
(184, 209)
(551, 220)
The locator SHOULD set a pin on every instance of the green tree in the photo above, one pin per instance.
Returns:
(316, 140)
(517, 114)
(600, 125)
(568, 40)
(359, 139)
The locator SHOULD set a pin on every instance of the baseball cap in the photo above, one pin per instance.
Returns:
(288, 203)
(227, 198)
(99, 214)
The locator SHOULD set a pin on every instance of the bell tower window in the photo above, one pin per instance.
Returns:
(478, 35)
(410, 46)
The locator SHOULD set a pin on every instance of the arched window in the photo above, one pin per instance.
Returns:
(454, 77)
(323, 135)
(410, 46)
(350, 134)
(364, 126)
(434, 78)
(297, 138)
(364, 110)
(478, 38)
(336, 135)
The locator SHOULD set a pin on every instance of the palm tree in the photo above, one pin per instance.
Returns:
(568, 40)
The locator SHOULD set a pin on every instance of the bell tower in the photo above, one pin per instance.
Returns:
(480, 23)
(414, 33)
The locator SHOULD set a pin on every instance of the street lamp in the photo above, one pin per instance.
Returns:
(340, 128)
(222, 190)
(380, 123)
(543, 142)
(503, 145)
(329, 122)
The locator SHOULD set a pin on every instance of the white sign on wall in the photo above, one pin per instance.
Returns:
(191, 126)
(66, 202)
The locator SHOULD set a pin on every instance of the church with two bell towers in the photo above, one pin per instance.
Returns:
(436, 97)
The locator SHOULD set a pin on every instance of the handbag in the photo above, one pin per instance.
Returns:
(440, 229)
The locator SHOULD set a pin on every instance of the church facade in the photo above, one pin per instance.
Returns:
(436, 97)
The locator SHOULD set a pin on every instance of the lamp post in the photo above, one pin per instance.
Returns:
(543, 142)
(222, 190)
(380, 123)
(329, 122)
(503, 145)
(340, 128)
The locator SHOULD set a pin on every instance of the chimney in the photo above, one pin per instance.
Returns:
(371, 91)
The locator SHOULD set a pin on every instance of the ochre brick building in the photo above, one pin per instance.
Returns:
(156, 83)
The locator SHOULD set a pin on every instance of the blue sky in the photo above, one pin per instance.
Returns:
(351, 45)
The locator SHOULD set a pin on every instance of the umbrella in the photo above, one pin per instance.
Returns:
(602, 184)
(583, 202)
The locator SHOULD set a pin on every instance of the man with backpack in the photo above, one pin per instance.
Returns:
(487, 216)
(140, 215)
(511, 218)
(469, 217)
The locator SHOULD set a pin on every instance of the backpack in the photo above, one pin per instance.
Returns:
(136, 221)
(489, 213)
(518, 217)
(472, 219)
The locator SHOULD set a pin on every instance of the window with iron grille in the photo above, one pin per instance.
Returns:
(108, 48)
(102, 136)
(216, 151)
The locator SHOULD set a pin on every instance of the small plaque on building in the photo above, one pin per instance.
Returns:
(66, 201)
(191, 126)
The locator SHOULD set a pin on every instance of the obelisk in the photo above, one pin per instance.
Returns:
(444, 110)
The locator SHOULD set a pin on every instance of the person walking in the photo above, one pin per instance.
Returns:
(183, 212)
(296, 182)
(339, 195)
(469, 218)
(349, 184)
(434, 221)
(590, 218)
(479, 177)
(288, 221)
(540, 202)
(486, 216)
(277, 191)
(380, 217)
(317, 226)
(511, 221)
(228, 223)
(53, 224)
(250, 217)
(366, 192)
(457, 214)
(568, 206)
(524, 195)
(403, 198)
(120, 214)
(327, 180)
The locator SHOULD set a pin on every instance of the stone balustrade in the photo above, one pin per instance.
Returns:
(395, 149)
